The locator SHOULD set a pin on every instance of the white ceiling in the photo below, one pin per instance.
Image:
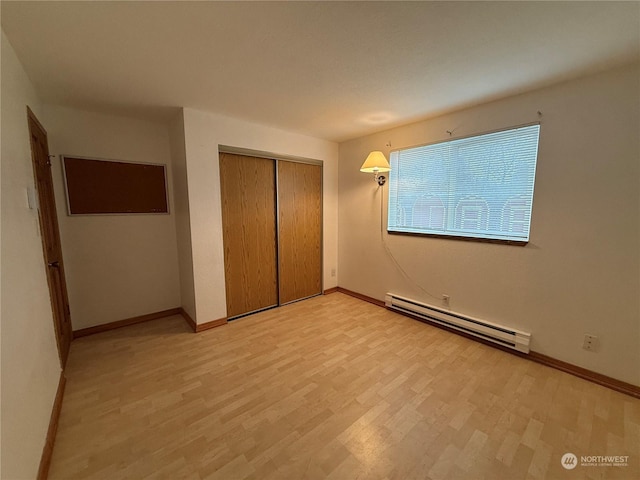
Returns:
(333, 70)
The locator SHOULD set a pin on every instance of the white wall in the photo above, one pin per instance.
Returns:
(30, 362)
(204, 132)
(579, 274)
(117, 266)
(183, 228)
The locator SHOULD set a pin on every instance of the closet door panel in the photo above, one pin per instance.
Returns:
(248, 196)
(300, 230)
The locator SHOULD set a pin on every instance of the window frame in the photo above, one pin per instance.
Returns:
(469, 237)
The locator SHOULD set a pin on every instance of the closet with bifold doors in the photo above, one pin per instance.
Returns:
(271, 228)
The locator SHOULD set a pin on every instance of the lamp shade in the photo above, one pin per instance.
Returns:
(375, 162)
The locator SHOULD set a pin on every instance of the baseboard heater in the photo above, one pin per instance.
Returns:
(499, 334)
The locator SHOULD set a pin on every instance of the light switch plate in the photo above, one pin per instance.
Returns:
(32, 198)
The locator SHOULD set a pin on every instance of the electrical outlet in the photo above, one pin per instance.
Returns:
(445, 299)
(333, 272)
(590, 342)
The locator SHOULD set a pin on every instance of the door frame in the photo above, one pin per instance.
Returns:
(64, 323)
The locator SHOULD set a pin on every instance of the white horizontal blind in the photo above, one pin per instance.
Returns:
(479, 187)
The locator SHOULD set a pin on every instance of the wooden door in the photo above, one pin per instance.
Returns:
(300, 230)
(50, 237)
(247, 188)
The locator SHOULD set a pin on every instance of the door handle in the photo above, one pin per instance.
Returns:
(55, 264)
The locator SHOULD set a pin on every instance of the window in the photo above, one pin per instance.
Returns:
(477, 187)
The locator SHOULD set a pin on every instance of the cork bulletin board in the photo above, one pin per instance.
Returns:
(113, 187)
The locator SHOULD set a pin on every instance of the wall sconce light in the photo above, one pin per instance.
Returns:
(375, 163)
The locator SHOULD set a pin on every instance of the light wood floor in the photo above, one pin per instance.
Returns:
(331, 387)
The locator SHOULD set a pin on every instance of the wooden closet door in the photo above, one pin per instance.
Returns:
(300, 230)
(247, 187)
